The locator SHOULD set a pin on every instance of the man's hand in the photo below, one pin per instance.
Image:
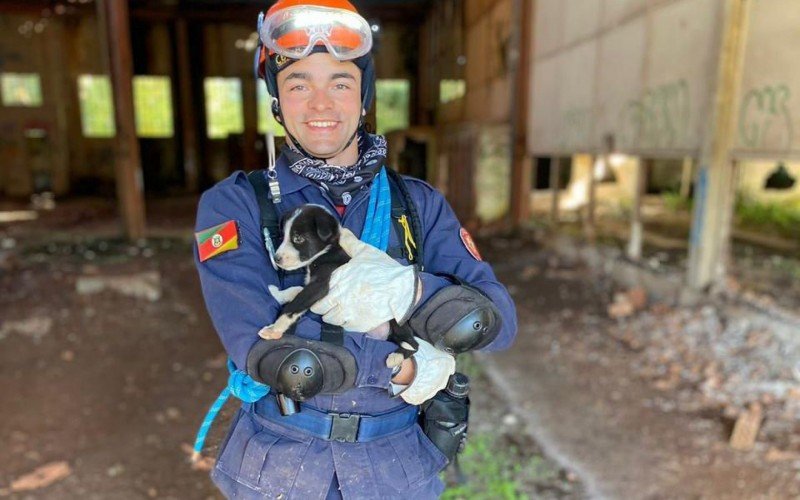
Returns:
(369, 290)
(428, 374)
(406, 374)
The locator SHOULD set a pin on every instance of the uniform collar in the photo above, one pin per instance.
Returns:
(289, 181)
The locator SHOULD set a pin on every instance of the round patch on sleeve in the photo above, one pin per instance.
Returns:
(466, 238)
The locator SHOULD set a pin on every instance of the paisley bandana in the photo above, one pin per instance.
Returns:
(342, 183)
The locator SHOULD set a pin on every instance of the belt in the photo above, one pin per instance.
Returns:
(340, 427)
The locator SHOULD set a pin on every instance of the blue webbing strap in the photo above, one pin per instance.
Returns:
(377, 225)
(240, 385)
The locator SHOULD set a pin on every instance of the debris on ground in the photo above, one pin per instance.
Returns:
(627, 303)
(39, 478)
(201, 463)
(746, 429)
(145, 285)
(723, 358)
(36, 327)
(43, 201)
(644, 405)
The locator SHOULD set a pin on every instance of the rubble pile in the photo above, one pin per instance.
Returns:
(719, 357)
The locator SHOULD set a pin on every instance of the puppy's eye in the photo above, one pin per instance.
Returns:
(297, 239)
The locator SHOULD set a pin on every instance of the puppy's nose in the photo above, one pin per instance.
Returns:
(278, 258)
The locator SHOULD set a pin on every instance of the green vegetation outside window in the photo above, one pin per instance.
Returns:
(21, 89)
(392, 105)
(152, 100)
(451, 90)
(224, 114)
(266, 122)
(97, 106)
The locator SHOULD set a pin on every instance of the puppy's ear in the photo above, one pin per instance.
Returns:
(326, 225)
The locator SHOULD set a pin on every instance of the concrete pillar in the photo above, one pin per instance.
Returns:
(634, 249)
(589, 228)
(714, 193)
(686, 177)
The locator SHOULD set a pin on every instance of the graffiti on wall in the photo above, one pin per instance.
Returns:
(764, 118)
(659, 119)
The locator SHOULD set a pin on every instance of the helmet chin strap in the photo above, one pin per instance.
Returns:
(301, 149)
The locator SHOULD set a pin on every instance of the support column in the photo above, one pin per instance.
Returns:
(634, 249)
(686, 177)
(589, 228)
(520, 75)
(188, 123)
(115, 26)
(555, 179)
(715, 180)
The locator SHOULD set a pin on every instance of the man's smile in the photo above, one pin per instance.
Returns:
(322, 125)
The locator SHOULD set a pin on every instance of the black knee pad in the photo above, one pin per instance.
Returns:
(457, 319)
(301, 368)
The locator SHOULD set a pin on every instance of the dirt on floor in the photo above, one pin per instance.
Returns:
(640, 399)
(108, 362)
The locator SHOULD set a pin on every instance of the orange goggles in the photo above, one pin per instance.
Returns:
(295, 31)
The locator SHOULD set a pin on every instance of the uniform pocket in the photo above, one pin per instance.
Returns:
(260, 458)
(405, 460)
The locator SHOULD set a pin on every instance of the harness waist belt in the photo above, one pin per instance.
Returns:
(341, 427)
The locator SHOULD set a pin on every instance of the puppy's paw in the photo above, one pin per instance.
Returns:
(409, 347)
(284, 296)
(270, 333)
(394, 359)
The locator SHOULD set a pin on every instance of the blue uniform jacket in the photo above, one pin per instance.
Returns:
(263, 459)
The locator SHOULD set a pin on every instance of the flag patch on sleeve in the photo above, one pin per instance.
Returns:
(466, 239)
(217, 240)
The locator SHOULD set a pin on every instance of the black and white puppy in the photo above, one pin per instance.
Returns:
(311, 241)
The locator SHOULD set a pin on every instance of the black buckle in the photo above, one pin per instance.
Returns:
(344, 427)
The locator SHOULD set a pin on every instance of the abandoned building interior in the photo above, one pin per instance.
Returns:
(505, 107)
(656, 133)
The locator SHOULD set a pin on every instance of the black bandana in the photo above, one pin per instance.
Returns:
(342, 183)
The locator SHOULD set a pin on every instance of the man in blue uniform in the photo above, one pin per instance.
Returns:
(355, 435)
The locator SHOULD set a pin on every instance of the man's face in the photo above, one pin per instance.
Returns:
(320, 99)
